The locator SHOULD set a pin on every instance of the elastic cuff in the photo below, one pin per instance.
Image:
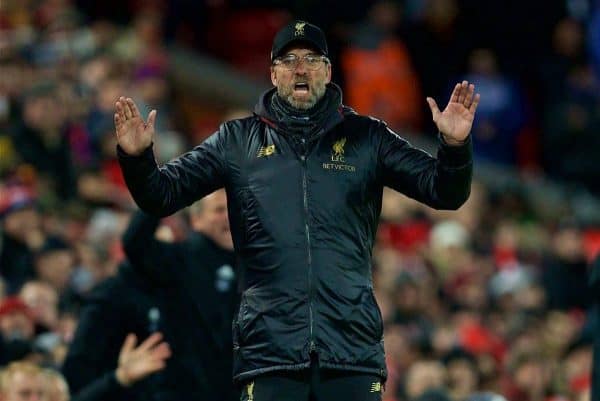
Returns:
(455, 155)
(148, 152)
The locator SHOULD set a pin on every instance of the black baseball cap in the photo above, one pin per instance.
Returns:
(302, 32)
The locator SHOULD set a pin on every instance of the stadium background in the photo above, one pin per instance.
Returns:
(505, 278)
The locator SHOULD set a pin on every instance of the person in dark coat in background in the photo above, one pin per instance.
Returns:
(201, 294)
(21, 235)
(595, 287)
(565, 270)
(100, 365)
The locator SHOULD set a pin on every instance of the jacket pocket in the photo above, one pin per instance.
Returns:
(252, 229)
(249, 316)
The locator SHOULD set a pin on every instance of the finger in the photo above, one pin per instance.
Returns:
(127, 109)
(454, 95)
(150, 342)
(462, 92)
(473, 106)
(118, 123)
(151, 120)
(133, 107)
(469, 97)
(129, 343)
(161, 351)
(119, 108)
(435, 111)
(154, 366)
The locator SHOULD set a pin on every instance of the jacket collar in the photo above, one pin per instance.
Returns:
(263, 110)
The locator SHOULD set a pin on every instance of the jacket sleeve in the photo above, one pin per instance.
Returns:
(102, 388)
(147, 255)
(442, 183)
(162, 191)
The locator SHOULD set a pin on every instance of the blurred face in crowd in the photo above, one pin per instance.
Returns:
(568, 244)
(533, 376)
(301, 86)
(568, 37)
(462, 378)
(109, 91)
(152, 89)
(23, 383)
(56, 386)
(483, 61)
(43, 112)
(55, 267)
(16, 325)
(21, 224)
(210, 217)
(423, 376)
(43, 301)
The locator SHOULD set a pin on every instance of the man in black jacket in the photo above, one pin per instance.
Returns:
(187, 291)
(304, 178)
(102, 362)
(199, 281)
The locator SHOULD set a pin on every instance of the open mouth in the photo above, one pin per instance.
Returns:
(301, 88)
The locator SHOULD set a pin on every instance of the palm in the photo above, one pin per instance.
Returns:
(140, 368)
(134, 134)
(148, 358)
(456, 120)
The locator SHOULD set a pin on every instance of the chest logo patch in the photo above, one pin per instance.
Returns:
(338, 159)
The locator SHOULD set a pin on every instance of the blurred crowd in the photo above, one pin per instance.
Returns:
(494, 297)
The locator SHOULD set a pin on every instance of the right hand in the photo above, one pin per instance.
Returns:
(137, 363)
(134, 135)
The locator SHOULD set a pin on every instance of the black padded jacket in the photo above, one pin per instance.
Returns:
(303, 215)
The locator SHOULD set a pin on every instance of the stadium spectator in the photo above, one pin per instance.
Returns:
(379, 73)
(17, 330)
(99, 365)
(201, 297)
(22, 381)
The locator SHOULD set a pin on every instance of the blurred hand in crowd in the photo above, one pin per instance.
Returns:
(137, 363)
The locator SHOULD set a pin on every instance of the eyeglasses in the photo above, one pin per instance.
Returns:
(312, 61)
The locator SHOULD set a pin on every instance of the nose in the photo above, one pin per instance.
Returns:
(301, 68)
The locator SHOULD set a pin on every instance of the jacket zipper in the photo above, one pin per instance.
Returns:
(312, 346)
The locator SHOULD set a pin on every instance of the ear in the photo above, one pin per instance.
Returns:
(328, 74)
(273, 76)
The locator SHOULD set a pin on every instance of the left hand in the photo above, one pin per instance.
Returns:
(455, 122)
(137, 363)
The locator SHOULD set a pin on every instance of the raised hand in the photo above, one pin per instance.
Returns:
(134, 135)
(455, 122)
(137, 363)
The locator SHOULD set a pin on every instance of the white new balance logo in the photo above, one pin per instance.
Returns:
(376, 387)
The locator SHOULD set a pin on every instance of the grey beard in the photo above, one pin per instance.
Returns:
(288, 96)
